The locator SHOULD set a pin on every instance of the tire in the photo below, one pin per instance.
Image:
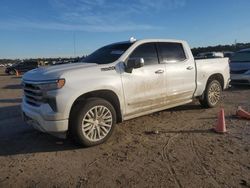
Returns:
(212, 94)
(86, 128)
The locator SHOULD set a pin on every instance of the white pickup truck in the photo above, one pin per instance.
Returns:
(118, 82)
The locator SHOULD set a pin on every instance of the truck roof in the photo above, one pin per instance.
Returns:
(161, 40)
(150, 40)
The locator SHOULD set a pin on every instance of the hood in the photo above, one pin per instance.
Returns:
(54, 72)
(238, 66)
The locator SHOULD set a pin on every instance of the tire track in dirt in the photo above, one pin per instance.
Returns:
(201, 164)
(166, 156)
(165, 153)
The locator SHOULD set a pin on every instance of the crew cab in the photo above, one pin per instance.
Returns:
(119, 82)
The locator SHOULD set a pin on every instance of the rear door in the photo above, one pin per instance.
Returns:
(180, 72)
(144, 88)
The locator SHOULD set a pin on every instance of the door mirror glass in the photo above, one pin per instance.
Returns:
(134, 63)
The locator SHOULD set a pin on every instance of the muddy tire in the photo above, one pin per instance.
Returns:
(212, 94)
(92, 122)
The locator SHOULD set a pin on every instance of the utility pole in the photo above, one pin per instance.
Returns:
(235, 44)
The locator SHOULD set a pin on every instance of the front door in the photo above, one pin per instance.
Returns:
(144, 88)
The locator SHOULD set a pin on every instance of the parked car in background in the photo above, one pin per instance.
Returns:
(240, 67)
(21, 67)
(228, 54)
(61, 62)
(209, 55)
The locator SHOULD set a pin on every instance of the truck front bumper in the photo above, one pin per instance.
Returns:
(32, 117)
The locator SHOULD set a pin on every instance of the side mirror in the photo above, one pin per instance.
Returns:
(134, 63)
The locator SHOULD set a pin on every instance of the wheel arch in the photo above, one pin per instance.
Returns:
(217, 76)
(108, 95)
(204, 101)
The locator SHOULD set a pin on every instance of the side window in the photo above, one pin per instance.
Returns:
(171, 52)
(147, 52)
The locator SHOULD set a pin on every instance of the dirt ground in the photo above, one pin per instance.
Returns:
(185, 152)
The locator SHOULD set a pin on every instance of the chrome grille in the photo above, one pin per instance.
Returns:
(33, 94)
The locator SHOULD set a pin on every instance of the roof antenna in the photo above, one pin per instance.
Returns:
(132, 39)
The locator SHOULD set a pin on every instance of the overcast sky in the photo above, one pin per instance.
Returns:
(47, 28)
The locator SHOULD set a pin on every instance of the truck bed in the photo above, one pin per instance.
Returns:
(207, 67)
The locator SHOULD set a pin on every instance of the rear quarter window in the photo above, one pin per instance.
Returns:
(171, 52)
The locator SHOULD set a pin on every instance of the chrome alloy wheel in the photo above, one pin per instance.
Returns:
(97, 123)
(214, 93)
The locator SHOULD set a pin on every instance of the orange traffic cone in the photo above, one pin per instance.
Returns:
(242, 113)
(221, 126)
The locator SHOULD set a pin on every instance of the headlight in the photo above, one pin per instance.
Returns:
(52, 85)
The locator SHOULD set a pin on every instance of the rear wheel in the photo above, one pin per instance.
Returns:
(212, 94)
(92, 122)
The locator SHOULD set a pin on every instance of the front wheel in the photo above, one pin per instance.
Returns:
(92, 122)
(212, 94)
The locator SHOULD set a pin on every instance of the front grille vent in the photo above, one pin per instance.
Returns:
(33, 94)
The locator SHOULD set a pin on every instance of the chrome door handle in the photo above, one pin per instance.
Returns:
(190, 68)
(159, 71)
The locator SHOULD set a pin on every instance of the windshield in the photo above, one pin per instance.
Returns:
(107, 54)
(241, 57)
